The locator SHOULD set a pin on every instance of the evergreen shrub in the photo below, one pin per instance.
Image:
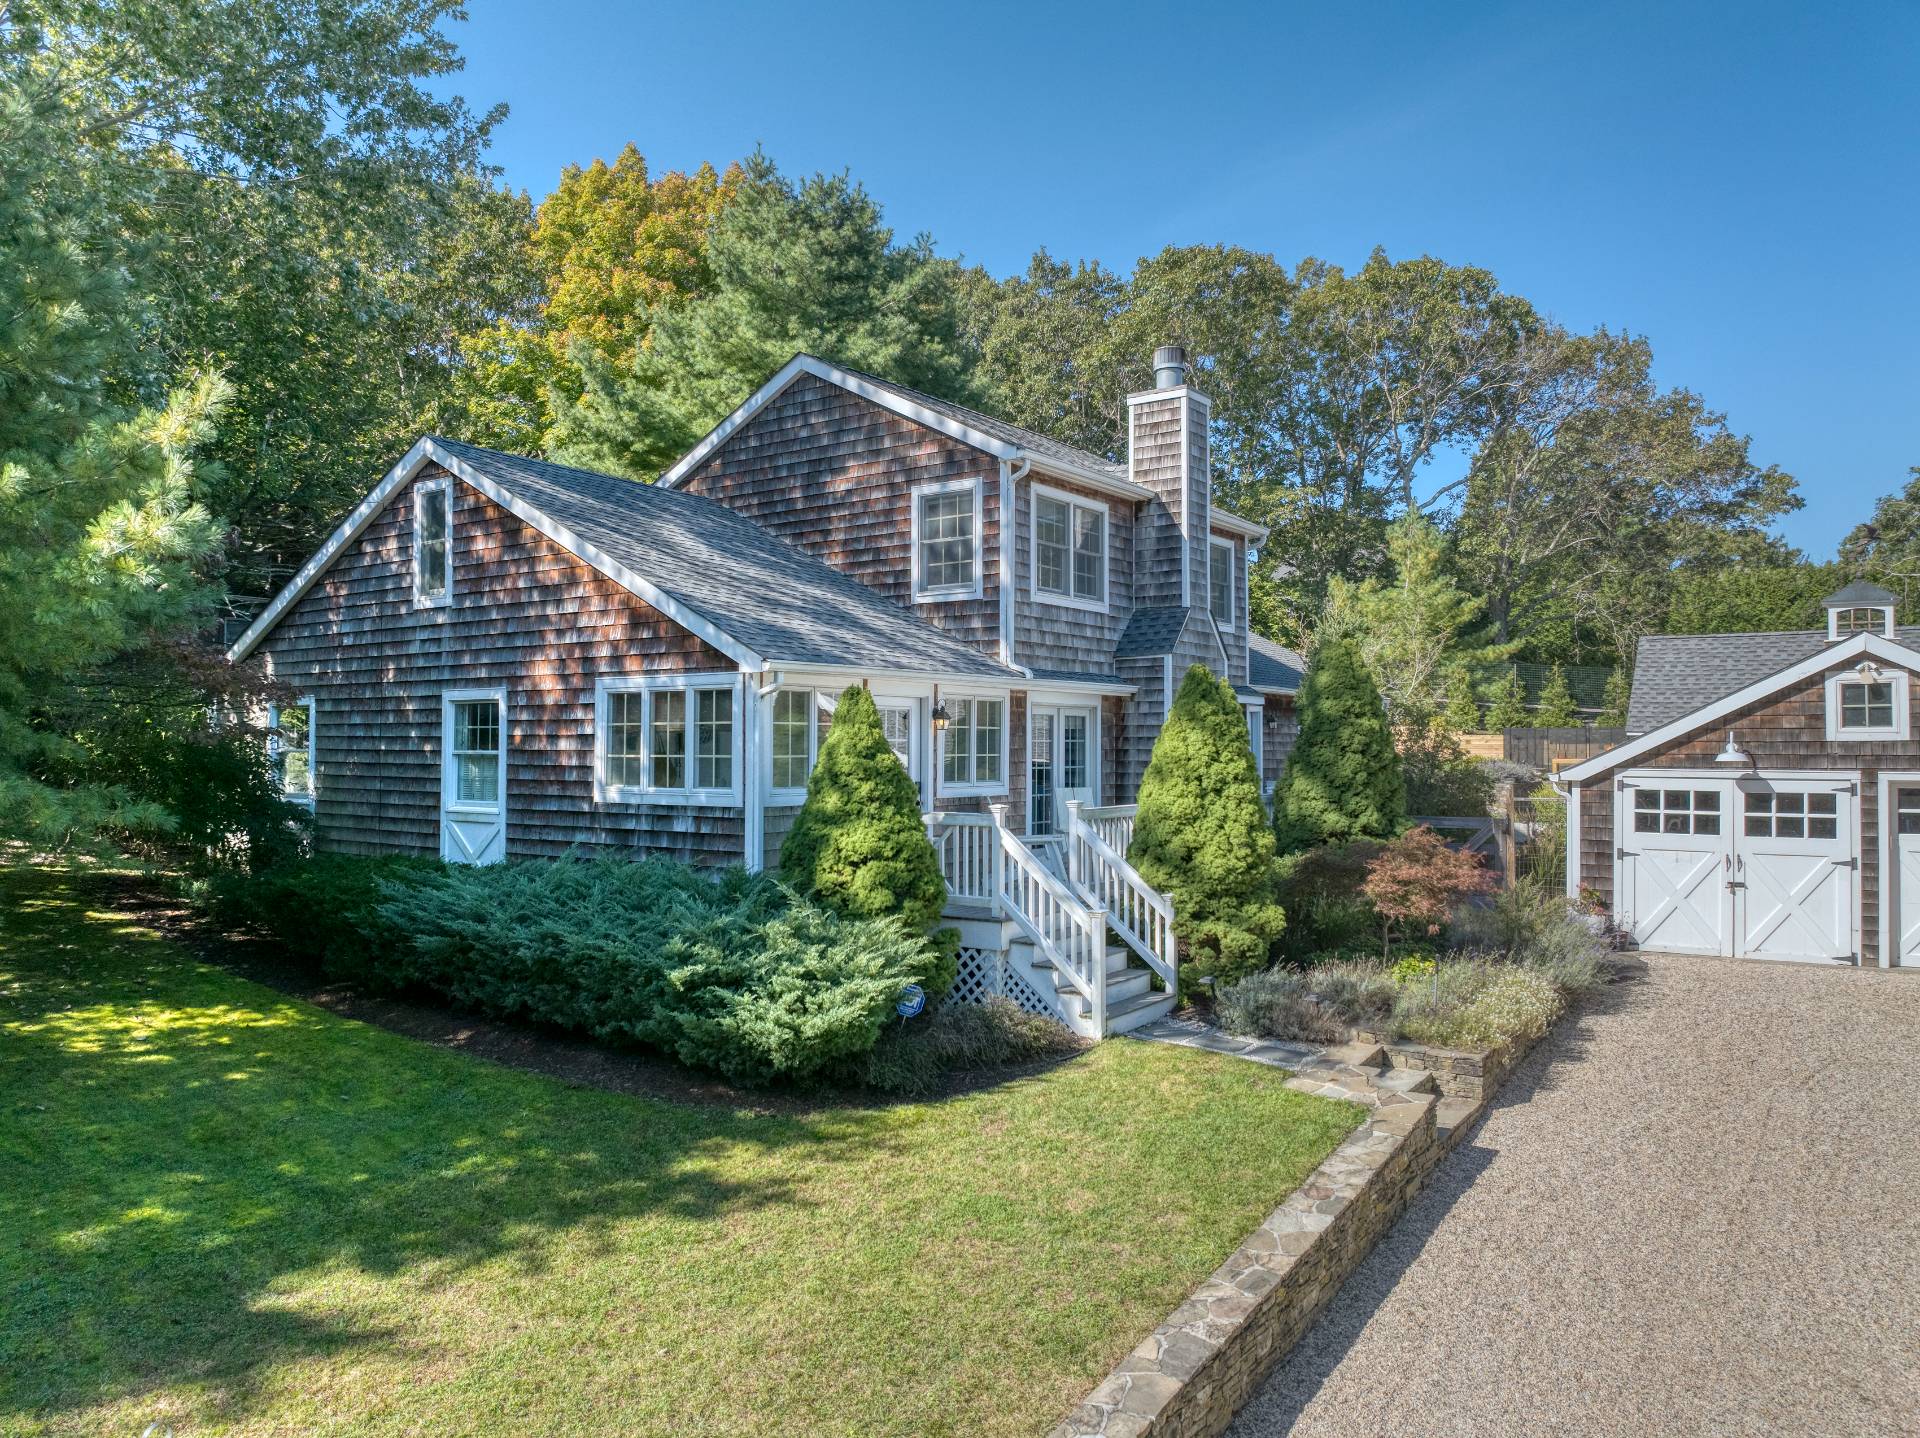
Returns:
(1343, 778)
(322, 910)
(1201, 835)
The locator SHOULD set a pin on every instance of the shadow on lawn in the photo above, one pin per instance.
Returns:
(176, 1151)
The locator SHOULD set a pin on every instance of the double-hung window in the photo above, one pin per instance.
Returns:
(1069, 549)
(1865, 704)
(795, 742)
(290, 749)
(946, 540)
(671, 738)
(433, 541)
(1220, 582)
(974, 746)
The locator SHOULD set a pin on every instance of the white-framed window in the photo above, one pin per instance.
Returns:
(1867, 703)
(476, 749)
(1068, 541)
(1845, 623)
(1220, 581)
(1676, 811)
(1255, 718)
(433, 541)
(973, 746)
(668, 738)
(946, 540)
(290, 749)
(793, 743)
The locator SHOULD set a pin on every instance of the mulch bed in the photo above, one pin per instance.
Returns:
(532, 1047)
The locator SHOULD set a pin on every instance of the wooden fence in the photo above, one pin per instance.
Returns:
(1553, 749)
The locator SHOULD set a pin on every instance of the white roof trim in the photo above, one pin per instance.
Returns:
(1873, 645)
(890, 399)
(1234, 524)
(411, 464)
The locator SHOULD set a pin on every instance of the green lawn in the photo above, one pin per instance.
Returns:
(226, 1211)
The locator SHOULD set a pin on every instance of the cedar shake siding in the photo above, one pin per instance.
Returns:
(1157, 450)
(834, 474)
(1785, 731)
(1049, 633)
(1280, 726)
(527, 616)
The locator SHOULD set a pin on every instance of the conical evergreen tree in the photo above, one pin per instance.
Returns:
(1462, 714)
(1201, 833)
(1343, 778)
(1509, 709)
(1614, 699)
(858, 844)
(1556, 709)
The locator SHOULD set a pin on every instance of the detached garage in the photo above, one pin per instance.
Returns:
(1766, 804)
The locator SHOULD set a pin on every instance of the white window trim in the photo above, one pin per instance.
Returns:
(1233, 599)
(276, 748)
(1885, 631)
(972, 789)
(651, 684)
(1257, 734)
(1896, 730)
(1055, 598)
(822, 703)
(921, 593)
(441, 485)
(449, 781)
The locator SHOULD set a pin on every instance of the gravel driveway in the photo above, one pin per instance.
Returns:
(1695, 1210)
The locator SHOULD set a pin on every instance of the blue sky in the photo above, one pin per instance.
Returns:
(1738, 182)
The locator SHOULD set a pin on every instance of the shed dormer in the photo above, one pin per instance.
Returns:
(1860, 608)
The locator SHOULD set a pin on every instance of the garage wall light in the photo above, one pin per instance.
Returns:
(1734, 754)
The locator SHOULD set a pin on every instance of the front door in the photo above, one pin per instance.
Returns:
(1060, 765)
(1676, 863)
(473, 777)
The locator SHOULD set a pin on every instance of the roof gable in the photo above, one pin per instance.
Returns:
(709, 569)
(1828, 656)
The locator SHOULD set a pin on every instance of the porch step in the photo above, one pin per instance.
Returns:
(1141, 1009)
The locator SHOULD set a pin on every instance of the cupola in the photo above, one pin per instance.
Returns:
(1860, 608)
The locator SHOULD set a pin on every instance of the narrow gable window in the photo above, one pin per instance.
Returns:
(946, 540)
(433, 541)
(1220, 582)
(670, 738)
(1069, 549)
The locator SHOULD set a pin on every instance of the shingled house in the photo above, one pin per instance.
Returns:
(500, 657)
(1766, 803)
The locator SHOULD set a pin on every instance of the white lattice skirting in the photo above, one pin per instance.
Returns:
(985, 974)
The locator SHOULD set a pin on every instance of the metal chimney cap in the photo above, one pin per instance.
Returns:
(1170, 366)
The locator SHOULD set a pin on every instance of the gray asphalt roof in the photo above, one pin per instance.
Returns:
(1076, 676)
(780, 602)
(1274, 666)
(1153, 630)
(1860, 591)
(1000, 429)
(1674, 674)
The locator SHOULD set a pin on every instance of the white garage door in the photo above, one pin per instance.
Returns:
(1757, 867)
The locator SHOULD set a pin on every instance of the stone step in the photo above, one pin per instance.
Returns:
(1406, 1081)
(1453, 1116)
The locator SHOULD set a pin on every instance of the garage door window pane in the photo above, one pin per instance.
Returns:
(1818, 828)
(1675, 799)
(1909, 801)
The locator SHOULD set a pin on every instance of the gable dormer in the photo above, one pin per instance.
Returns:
(1860, 608)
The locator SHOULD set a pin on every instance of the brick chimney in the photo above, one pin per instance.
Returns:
(1167, 453)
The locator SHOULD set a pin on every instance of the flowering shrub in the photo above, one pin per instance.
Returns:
(1414, 882)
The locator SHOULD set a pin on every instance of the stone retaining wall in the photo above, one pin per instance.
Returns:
(1196, 1370)
(1458, 1073)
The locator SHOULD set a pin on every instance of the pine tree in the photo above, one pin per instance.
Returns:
(1614, 699)
(1462, 714)
(1556, 709)
(859, 844)
(1509, 708)
(1201, 832)
(805, 266)
(1343, 778)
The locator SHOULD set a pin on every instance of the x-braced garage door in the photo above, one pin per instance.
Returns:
(1756, 867)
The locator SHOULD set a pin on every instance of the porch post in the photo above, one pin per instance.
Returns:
(1074, 866)
(997, 857)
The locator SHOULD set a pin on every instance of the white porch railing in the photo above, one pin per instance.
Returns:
(982, 858)
(1113, 823)
(1139, 913)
